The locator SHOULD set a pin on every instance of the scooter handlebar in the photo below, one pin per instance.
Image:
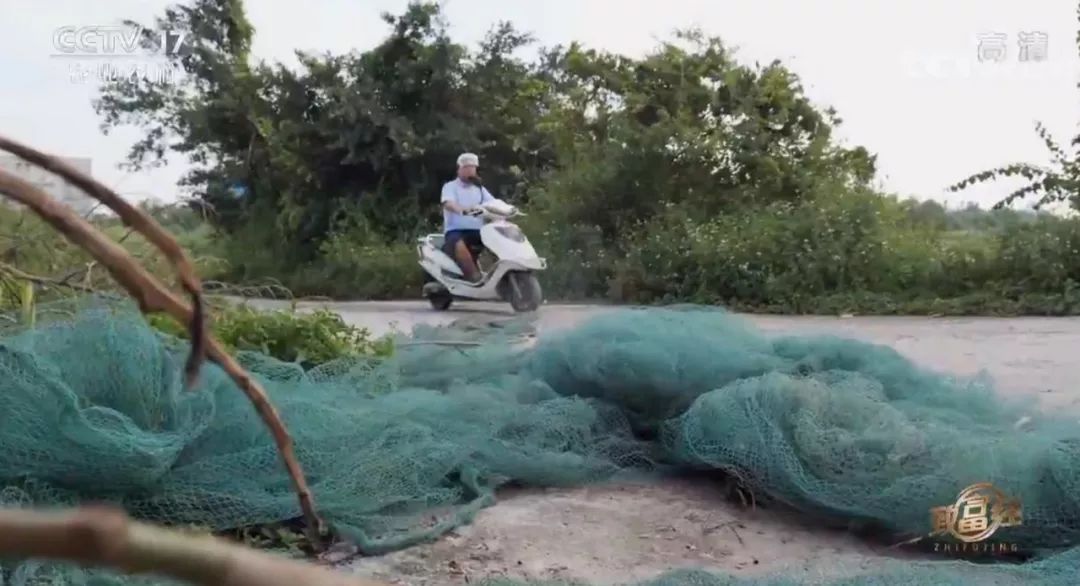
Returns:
(480, 211)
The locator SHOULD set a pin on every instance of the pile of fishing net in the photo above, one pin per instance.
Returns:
(404, 449)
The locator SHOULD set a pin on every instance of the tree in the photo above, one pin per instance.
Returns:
(373, 134)
(606, 140)
(687, 126)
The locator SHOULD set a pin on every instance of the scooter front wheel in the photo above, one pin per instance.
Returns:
(440, 301)
(525, 292)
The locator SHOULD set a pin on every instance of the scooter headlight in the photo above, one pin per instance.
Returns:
(512, 232)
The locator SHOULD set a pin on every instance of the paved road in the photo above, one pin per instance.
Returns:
(1037, 356)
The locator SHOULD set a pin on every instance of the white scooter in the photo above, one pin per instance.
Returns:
(511, 278)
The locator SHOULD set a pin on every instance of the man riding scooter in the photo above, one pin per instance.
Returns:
(475, 221)
(461, 198)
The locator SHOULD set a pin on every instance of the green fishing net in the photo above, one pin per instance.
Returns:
(404, 449)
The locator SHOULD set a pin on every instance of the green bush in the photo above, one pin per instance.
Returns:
(781, 254)
(349, 267)
(850, 251)
(579, 266)
(309, 339)
(843, 250)
(1043, 256)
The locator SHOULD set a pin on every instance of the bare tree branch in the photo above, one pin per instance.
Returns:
(106, 537)
(152, 296)
(143, 224)
(45, 281)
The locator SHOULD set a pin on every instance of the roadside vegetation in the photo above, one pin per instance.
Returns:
(682, 176)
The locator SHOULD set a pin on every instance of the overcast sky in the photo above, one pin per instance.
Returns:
(904, 75)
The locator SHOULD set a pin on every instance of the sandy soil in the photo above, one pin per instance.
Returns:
(616, 534)
(631, 532)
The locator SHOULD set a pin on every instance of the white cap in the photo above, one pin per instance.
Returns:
(468, 159)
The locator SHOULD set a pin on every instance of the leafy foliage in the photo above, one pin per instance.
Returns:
(681, 175)
(308, 339)
(378, 132)
(1051, 185)
(29, 247)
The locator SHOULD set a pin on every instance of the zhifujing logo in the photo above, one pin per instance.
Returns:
(979, 511)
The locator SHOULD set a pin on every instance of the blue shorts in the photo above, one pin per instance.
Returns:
(471, 237)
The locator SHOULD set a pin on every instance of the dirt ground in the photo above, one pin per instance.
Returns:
(624, 533)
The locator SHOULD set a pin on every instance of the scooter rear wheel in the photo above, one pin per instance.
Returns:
(440, 300)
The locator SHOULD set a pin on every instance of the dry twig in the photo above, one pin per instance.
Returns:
(38, 280)
(150, 294)
(105, 537)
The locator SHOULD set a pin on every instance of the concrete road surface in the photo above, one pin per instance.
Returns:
(1031, 355)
